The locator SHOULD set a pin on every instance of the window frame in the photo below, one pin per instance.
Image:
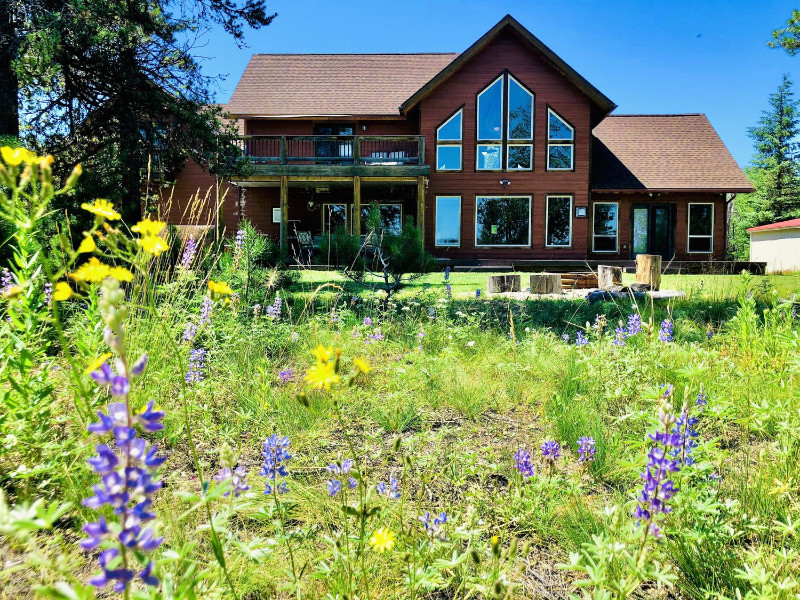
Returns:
(508, 153)
(616, 235)
(484, 89)
(478, 156)
(570, 143)
(689, 236)
(347, 223)
(436, 221)
(507, 115)
(366, 206)
(529, 198)
(452, 143)
(547, 219)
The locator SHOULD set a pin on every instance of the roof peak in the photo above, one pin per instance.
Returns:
(355, 54)
(659, 115)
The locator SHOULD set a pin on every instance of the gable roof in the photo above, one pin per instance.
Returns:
(600, 100)
(310, 85)
(663, 153)
(790, 224)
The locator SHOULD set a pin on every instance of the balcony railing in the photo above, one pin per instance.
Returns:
(348, 150)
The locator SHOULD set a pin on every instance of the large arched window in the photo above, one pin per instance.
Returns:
(505, 126)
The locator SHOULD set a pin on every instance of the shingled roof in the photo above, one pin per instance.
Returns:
(663, 153)
(311, 85)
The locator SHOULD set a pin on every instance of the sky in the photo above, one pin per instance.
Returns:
(647, 56)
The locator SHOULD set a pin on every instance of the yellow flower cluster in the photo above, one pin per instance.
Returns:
(94, 271)
(102, 208)
(323, 374)
(219, 287)
(14, 157)
(151, 242)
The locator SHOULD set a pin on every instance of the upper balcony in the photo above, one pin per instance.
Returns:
(336, 155)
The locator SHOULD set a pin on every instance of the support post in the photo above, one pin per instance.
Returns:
(284, 237)
(357, 205)
(421, 207)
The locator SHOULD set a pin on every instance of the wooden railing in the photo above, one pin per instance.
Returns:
(334, 149)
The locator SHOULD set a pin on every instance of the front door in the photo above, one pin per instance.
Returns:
(653, 230)
(335, 151)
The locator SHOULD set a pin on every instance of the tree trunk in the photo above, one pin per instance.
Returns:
(608, 277)
(546, 283)
(648, 270)
(9, 85)
(496, 284)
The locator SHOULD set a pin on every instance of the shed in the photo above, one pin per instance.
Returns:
(777, 244)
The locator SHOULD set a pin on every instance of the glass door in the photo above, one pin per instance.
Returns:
(335, 151)
(653, 230)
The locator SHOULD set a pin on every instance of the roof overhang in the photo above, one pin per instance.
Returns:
(601, 101)
(672, 191)
(290, 117)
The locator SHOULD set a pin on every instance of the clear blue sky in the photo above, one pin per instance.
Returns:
(647, 56)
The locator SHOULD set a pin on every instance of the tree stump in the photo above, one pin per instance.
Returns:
(648, 270)
(496, 284)
(546, 283)
(607, 277)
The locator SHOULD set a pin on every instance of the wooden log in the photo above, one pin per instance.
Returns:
(579, 281)
(546, 283)
(648, 270)
(496, 284)
(608, 277)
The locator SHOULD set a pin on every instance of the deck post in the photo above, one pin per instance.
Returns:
(421, 207)
(357, 205)
(284, 236)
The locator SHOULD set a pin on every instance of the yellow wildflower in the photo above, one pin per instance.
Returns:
(120, 274)
(322, 354)
(14, 157)
(148, 227)
(362, 365)
(322, 375)
(87, 245)
(12, 292)
(102, 208)
(97, 362)
(153, 244)
(219, 287)
(62, 291)
(383, 539)
(91, 272)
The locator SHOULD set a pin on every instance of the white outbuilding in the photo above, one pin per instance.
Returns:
(777, 244)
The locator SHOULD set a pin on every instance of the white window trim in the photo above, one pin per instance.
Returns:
(688, 228)
(325, 216)
(436, 224)
(508, 111)
(478, 155)
(571, 166)
(460, 156)
(571, 140)
(616, 227)
(508, 154)
(547, 220)
(530, 209)
(459, 112)
(478, 109)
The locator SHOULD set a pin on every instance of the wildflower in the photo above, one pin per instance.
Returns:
(48, 293)
(189, 250)
(666, 390)
(581, 340)
(391, 491)
(322, 375)
(205, 311)
(14, 157)
(634, 324)
(237, 477)
(342, 468)
(276, 456)
(189, 332)
(286, 375)
(709, 332)
(6, 281)
(565, 338)
(600, 322)
(118, 384)
(701, 401)
(62, 291)
(87, 245)
(685, 429)
(334, 317)
(197, 358)
(148, 227)
(446, 273)
(219, 287)
(375, 336)
(295, 337)
(153, 244)
(274, 311)
(92, 271)
(434, 526)
(362, 365)
(551, 451)
(477, 293)
(322, 354)
(102, 208)
(619, 337)
(448, 289)
(120, 274)
(368, 321)
(383, 539)
(665, 332)
(238, 246)
(334, 487)
(522, 463)
(586, 449)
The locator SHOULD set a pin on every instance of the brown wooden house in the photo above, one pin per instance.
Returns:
(503, 153)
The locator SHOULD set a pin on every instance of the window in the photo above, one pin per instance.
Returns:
(448, 143)
(334, 216)
(605, 221)
(503, 221)
(701, 228)
(448, 220)
(391, 217)
(558, 228)
(505, 126)
(560, 143)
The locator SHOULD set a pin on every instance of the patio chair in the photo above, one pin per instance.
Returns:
(306, 245)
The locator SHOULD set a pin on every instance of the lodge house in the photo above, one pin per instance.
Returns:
(500, 153)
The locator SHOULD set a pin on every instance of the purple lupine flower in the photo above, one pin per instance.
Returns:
(685, 429)
(522, 463)
(189, 251)
(239, 241)
(334, 317)
(551, 451)
(352, 483)
(434, 526)
(658, 489)
(274, 311)
(205, 311)
(189, 332)
(620, 333)
(666, 390)
(634, 324)
(197, 359)
(375, 336)
(581, 340)
(709, 332)
(48, 293)
(286, 375)
(666, 330)
(478, 293)
(367, 321)
(334, 487)
(565, 338)
(391, 491)
(446, 273)
(276, 456)
(238, 478)
(701, 401)
(6, 281)
(448, 289)
(342, 468)
(586, 449)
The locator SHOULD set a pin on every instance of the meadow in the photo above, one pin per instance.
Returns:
(181, 421)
